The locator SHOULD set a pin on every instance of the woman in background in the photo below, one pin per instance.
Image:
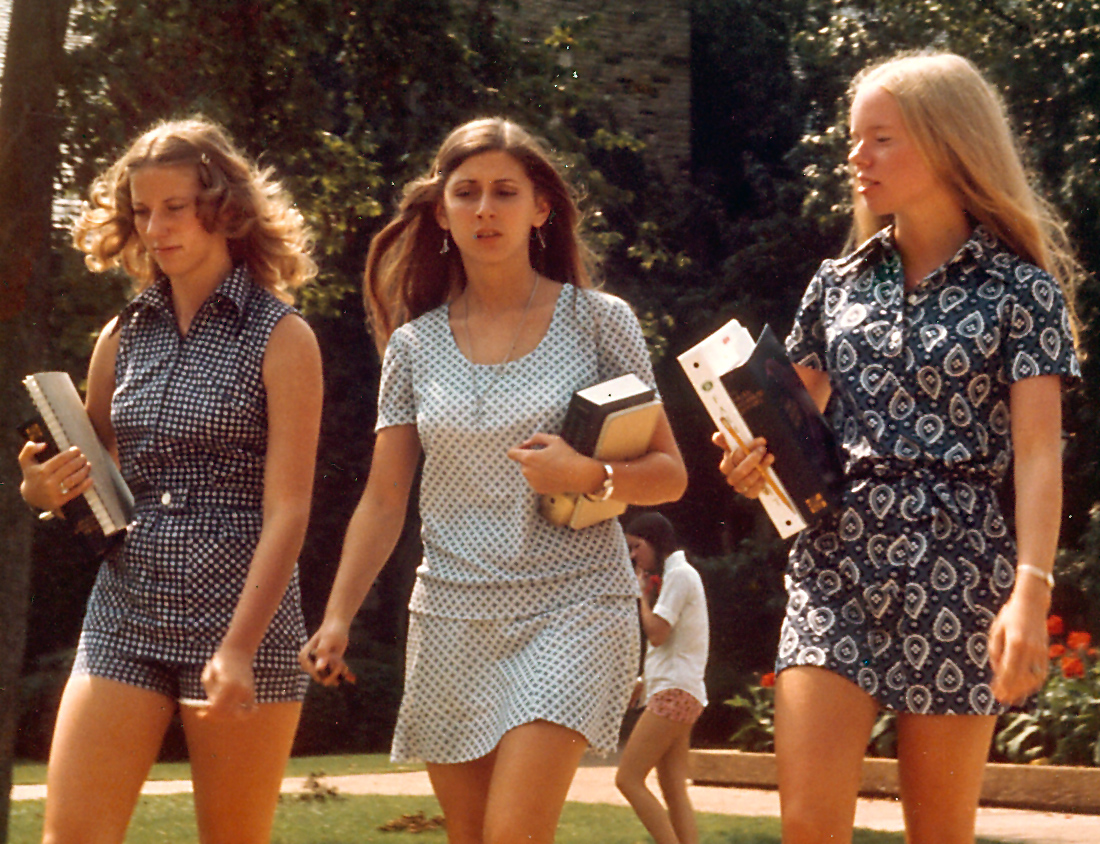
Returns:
(207, 387)
(673, 610)
(938, 347)
(522, 636)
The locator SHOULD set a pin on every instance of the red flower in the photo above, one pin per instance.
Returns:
(1078, 640)
(1072, 667)
(768, 680)
(1056, 650)
(1055, 627)
(654, 583)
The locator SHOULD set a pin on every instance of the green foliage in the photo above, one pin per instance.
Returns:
(755, 708)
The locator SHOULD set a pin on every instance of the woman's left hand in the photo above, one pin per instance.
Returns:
(1019, 646)
(230, 685)
(551, 465)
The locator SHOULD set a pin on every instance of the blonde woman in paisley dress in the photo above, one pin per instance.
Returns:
(207, 387)
(937, 348)
(523, 637)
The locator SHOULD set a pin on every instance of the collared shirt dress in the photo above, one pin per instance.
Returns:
(513, 619)
(896, 590)
(190, 417)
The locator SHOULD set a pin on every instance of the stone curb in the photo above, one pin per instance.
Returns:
(1051, 788)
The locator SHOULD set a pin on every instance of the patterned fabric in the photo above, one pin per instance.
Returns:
(469, 681)
(896, 591)
(179, 681)
(190, 417)
(675, 705)
(487, 551)
(490, 557)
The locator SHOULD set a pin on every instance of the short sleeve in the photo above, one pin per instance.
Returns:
(1039, 339)
(675, 595)
(620, 345)
(396, 398)
(806, 341)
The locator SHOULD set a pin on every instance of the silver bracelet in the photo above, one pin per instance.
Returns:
(604, 492)
(1035, 571)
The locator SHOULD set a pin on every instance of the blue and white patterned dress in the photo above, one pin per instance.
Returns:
(896, 591)
(190, 417)
(513, 619)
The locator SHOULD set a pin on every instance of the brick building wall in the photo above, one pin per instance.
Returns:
(640, 64)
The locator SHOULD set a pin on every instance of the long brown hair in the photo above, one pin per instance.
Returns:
(406, 275)
(236, 199)
(959, 123)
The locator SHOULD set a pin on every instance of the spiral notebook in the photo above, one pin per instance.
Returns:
(107, 508)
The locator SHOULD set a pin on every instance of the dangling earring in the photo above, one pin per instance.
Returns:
(538, 234)
(446, 244)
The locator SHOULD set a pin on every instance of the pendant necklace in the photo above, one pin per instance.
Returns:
(497, 369)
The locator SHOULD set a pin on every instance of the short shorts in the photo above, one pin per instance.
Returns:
(178, 680)
(675, 705)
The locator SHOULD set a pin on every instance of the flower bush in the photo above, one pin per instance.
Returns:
(755, 709)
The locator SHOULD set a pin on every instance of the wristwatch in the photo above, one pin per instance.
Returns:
(604, 492)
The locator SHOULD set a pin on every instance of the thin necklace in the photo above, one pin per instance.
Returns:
(498, 369)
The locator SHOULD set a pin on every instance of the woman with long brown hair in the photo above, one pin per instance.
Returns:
(522, 638)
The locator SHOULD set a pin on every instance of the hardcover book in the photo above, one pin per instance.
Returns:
(750, 389)
(101, 514)
(610, 421)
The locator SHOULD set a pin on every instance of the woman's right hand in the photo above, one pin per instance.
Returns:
(744, 472)
(49, 485)
(323, 655)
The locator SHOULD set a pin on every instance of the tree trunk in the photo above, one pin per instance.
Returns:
(30, 133)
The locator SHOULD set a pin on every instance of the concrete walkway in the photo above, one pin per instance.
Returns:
(596, 784)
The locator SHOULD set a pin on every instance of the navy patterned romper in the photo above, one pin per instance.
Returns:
(190, 417)
(897, 590)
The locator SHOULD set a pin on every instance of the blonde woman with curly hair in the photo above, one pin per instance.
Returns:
(207, 390)
(523, 637)
(937, 348)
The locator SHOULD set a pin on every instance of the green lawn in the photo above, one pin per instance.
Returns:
(356, 819)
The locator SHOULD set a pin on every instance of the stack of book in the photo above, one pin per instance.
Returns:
(610, 421)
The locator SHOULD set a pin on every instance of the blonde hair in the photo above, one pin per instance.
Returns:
(236, 198)
(406, 275)
(959, 123)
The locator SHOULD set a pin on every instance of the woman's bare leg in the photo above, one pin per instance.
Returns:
(672, 776)
(462, 790)
(651, 740)
(822, 725)
(237, 768)
(107, 736)
(941, 759)
(534, 767)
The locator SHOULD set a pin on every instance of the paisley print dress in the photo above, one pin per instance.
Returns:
(896, 590)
